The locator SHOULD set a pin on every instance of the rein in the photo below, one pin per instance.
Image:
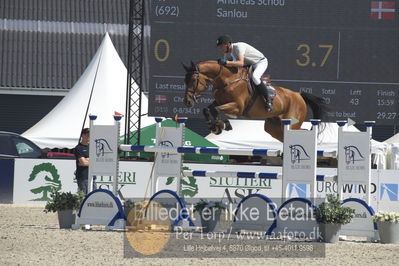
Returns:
(236, 80)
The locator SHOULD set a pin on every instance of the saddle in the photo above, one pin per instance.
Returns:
(252, 91)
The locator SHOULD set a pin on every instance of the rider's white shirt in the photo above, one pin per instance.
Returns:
(251, 54)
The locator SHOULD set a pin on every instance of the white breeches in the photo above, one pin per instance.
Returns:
(259, 69)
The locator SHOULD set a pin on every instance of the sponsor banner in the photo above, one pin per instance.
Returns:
(100, 207)
(232, 189)
(34, 178)
(388, 189)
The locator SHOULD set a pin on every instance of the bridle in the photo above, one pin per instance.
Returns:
(197, 81)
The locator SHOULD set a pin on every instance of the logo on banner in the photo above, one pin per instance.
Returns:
(382, 10)
(166, 143)
(189, 186)
(102, 147)
(352, 154)
(298, 153)
(389, 191)
(47, 173)
(297, 190)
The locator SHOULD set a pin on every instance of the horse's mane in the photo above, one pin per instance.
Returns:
(193, 68)
(233, 70)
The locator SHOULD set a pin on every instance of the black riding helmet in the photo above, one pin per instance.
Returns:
(224, 39)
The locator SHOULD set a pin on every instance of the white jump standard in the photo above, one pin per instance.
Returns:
(354, 167)
(101, 206)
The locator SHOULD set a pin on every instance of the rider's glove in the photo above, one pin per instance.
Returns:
(222, 61)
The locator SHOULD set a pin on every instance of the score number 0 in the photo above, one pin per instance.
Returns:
(162, 43)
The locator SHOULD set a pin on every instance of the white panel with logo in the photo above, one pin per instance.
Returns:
(300, 159)
(104, 151)
(354, 167)
(166, 163)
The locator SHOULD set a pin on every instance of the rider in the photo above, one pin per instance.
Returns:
(241, 54)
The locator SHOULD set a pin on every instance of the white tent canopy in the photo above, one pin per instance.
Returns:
(101, 91)
(393, 140)
(393, 151)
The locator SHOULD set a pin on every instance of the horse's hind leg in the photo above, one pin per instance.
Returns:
(275, 128)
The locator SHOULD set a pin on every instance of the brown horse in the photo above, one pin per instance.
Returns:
(233, 97)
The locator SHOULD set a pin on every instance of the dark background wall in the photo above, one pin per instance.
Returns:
(20, 112)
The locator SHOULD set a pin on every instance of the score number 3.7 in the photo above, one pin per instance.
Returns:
(304, 58)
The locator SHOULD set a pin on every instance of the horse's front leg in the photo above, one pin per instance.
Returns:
(215, 124)
(221, 123)
(209, 119)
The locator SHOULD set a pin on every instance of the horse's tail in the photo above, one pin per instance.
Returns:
(318, 106)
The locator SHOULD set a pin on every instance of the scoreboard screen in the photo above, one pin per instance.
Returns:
(346, 52)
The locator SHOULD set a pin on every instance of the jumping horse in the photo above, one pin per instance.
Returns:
(233, 97)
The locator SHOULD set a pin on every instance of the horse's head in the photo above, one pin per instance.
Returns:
(196, 82)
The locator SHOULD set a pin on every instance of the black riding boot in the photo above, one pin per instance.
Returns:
(262, 90)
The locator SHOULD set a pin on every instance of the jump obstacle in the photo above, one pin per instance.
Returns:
(299, 167)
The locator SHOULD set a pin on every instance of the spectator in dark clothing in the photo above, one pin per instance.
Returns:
(82, 161)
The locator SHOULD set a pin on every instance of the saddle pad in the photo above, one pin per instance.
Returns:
(271, 91)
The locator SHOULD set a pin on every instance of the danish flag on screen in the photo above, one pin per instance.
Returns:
(160, 98)
(382, 10)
